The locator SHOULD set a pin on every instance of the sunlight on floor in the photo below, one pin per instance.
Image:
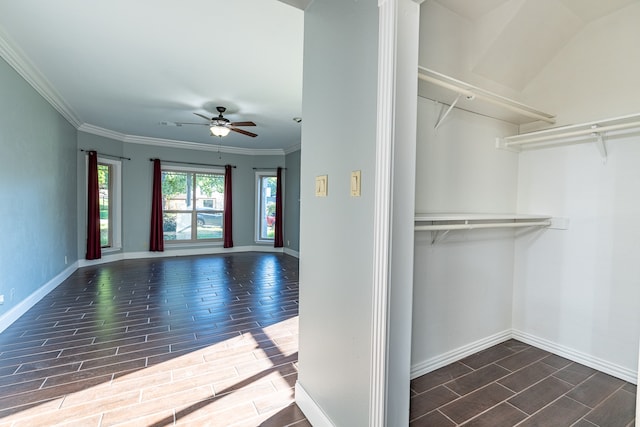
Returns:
(239, 380)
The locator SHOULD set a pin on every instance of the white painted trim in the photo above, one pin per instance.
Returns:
(310, 408)
(172, 143)
(382, 212)
(577, 356)
(299, 4)
(14, 56)
(292, 252)
(14, 313)
(95, 130)
(21, 308)
(179, 251)
(293, 149)
(17, 59)
(456, 354)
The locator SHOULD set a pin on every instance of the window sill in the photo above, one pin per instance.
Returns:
(178, 244)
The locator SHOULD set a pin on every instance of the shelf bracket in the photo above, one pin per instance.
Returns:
(436, 233)
(446, 113)
(501, 144)
(600, 145)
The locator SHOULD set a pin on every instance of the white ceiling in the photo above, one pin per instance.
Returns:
(121, 67)
(508, 42)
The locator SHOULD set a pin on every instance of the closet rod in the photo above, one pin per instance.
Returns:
(472, 92)
(443, 227)
(559, 133)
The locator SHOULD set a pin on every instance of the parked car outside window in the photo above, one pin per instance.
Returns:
(209, 218)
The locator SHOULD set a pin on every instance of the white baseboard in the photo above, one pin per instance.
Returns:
(104, 260)
(14, 313)
(23, 306)
(180, 251)
(454, 355)
(292, 252)
(578, 356)
(310, 408)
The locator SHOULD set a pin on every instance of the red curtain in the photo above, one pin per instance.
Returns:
(156, 241)
(278, 241)
(228, 209)
(94, 250)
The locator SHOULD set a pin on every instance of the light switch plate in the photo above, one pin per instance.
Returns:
(322, 181)
(355, 183)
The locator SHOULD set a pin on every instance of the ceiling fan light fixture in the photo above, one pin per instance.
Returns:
(220, 131)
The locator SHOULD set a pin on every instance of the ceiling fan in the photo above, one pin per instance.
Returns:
(220, 126)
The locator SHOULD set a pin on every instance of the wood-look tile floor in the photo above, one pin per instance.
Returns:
(514, 384)
(193, 341)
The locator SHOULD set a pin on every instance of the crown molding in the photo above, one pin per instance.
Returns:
(298, 4)
(171, 143)
(95, 130)
(293, 149)
(17, 59)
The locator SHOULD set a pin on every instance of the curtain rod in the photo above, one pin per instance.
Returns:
(107, 155)
(191, 163)
(268, 169)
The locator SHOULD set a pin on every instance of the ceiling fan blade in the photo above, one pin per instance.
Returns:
(204, 117)
(187, 123)
(244, 132)
(242, 124)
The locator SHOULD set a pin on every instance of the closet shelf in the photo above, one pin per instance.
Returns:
(448, 222)
(439, 87)
(573, 134)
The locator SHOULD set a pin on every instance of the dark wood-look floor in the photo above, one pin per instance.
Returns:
(212, 341)
(514, 384)
(194, 341)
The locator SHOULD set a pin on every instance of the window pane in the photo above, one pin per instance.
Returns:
(104, 187)
(209, 225)
(267, 207)
(177, 226)
(209, 205)
(193, 204)
(210, 192)
(177, 192)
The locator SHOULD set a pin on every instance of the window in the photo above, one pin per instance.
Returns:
(104, 188)
(266, 206)
(109, 202)
(193, 205)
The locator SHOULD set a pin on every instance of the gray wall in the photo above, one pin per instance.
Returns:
(292, 201)
(37, 190)
(336, 232)
(137, 180)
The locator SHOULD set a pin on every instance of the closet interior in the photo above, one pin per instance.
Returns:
(526, 217)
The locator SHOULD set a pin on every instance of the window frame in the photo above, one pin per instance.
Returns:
(259, 175)
(115, 203)
(109, 204)
(194, 211)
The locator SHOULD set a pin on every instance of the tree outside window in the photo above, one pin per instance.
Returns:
(105, 191)
(266, 212)
(193, 205)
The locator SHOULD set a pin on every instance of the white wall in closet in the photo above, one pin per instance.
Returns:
(580, 288)
(463, 283)
(575, 290)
